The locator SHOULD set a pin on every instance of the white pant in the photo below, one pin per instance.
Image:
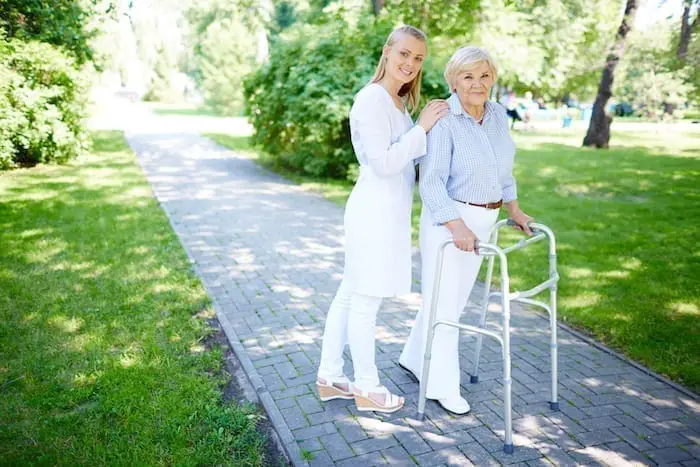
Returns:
(459, 272)
(352, 319)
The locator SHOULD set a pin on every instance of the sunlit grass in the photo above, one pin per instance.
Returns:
(627, 221)
(102, 325)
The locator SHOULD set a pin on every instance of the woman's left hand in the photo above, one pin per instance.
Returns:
(521, 220)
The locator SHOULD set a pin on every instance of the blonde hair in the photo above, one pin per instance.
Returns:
(466, 58)
(409, 90)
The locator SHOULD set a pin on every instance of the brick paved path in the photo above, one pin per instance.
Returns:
(270, 256)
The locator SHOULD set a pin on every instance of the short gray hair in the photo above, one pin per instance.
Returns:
(465, 58)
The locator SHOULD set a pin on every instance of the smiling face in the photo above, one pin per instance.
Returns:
(404, 58)
(473, 84)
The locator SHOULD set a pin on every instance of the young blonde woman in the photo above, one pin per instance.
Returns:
(377, 219)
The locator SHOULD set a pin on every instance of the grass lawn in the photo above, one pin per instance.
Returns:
(627, 222)
(103, 326)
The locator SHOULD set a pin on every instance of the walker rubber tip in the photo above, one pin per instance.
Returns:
(508, 448)
(420, 417)
(554, 406)
(474, 379)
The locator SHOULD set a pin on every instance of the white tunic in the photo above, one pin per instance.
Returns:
(378, 212)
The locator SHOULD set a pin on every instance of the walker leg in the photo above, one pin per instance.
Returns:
(474, 377)
(554, 402)
(507, 381)
(431, 334)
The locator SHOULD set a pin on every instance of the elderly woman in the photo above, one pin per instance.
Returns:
(466, 176)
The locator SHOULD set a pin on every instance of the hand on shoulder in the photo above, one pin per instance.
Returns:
(432, 112)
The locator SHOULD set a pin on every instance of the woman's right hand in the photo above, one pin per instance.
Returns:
(462, 235)
(432, 112)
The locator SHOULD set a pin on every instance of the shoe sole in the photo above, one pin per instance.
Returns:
(326, 393)
(452, 411)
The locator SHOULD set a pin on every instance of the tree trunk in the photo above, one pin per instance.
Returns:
(377, 6)
(687, 29)
(598, 134)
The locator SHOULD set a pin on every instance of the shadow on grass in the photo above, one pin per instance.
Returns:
(99, 340)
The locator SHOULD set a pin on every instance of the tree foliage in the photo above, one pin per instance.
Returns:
(63, 23)
(225, 48)
(42, 105)
(300, 99)
(650, 78)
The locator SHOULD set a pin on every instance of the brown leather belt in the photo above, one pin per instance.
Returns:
(496, 205)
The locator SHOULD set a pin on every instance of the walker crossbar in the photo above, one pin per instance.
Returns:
(492, 250)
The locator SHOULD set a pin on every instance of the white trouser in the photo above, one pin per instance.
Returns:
(352, 319)
(459, 272)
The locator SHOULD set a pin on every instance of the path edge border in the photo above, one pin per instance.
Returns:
(288, 442)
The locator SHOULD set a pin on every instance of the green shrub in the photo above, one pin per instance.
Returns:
(299, 101)
(42, 105)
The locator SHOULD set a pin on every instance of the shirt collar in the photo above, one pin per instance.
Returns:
(457, 109)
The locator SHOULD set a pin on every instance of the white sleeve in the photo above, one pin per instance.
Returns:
(370, 125)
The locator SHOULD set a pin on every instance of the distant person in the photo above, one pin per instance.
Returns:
(510, 103)
(529, 108)
(378, 218)
(466, 176)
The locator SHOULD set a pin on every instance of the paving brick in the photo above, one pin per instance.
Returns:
(599, 423)
(314, 431)
(311, 444)
(336, 446)
(294, 417)
(593, 438)
(520, 454)
(373, 444)
(639, 442)
(668, 455)
(412, 442)
(437, 442)
(309, 404)
(398, 456)
(667, 440)
(367, 460)
(320, 459)
(448, 456)
(350, 430)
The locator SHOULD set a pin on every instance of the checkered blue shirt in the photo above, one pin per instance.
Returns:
(467, 162)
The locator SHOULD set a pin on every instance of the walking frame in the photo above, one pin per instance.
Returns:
(492, 250)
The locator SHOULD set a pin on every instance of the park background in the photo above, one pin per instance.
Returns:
(276, 79)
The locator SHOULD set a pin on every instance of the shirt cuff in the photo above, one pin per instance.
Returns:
(446, 214)
(509, 194)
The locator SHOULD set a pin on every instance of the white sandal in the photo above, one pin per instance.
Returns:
(364, 403)
(328, 389)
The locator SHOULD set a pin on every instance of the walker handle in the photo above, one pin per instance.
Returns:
(512, 223)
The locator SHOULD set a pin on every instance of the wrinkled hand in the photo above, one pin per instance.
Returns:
(432, 112)
(463, 237)
(521, 221)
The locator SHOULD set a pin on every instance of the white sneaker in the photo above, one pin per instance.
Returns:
(456, 405)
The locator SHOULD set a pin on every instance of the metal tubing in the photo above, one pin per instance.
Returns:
(431, 330)
(507, 382)
(474, 377)
(525, 242)
(536, 289)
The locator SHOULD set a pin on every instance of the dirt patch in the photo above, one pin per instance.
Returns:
(239, 390)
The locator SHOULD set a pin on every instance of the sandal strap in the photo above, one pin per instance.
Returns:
(332, 382)
(390, 399)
